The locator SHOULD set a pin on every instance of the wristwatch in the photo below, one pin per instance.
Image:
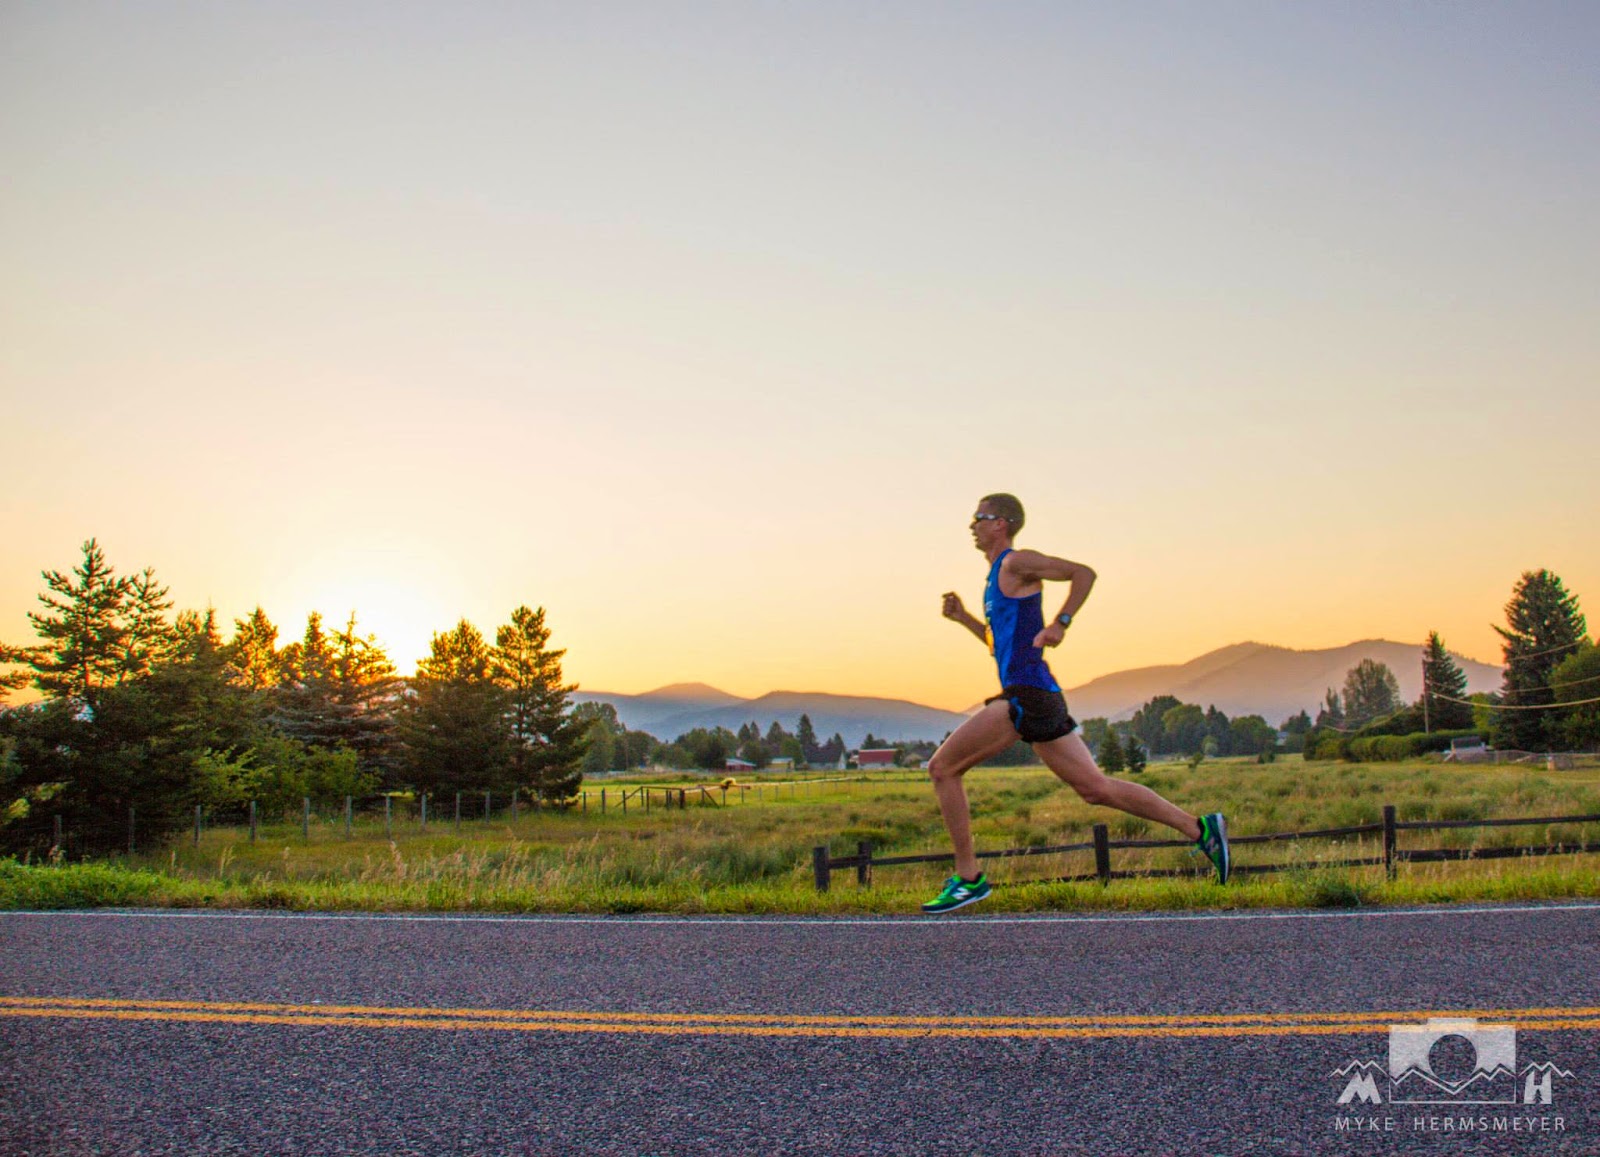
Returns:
(1064, 619)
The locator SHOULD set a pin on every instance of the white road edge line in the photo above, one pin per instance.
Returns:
(803, 922)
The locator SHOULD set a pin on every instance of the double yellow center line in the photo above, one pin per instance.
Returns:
(778, 1025)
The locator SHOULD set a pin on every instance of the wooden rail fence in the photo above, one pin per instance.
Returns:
(823, 863)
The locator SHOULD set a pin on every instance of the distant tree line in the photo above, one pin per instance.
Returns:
(158, 712)
(612, 746)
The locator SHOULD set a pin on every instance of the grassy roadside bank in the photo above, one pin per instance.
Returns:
(755, 858)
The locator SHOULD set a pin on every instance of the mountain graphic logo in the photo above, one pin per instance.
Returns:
(1450, 1061)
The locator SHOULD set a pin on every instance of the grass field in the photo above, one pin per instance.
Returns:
(755, 856)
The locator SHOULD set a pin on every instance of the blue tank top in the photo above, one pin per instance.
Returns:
(1013, 623)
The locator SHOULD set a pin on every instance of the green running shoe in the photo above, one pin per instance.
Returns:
(958, 893)
(1213, 842)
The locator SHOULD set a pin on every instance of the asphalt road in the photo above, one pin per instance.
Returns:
(268, 1033)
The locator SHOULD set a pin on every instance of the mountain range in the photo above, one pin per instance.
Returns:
(1243, 679)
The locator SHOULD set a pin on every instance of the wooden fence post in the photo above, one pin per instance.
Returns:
(349, 815)
(602, 801)
(56, 848)
(486, 807)
(252, 821)
(1388, 840)
(424, 811)
(305, 817)
(197, 825)
(388, 816)
(819, 866)
(864, 863)
(458, 813)
(130, 829)
(1102, 853)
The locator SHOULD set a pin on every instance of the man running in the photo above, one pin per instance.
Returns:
(1030, 705)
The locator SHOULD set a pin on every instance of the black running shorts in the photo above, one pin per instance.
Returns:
(1038, 715)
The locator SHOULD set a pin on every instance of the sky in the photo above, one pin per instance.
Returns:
(705, 325)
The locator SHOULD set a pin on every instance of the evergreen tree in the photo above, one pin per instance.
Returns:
(807, 735)
(334, 691)
(142, 746)
(1370, 691)
(1442, 677)
(365, 692)
(547, 743)
(18, 658)
(302, 707)
(1135, 755)
(253, 652)
(83, 631)
(1332, 712)
(147, 637)
(1110, 755)
(453, 723)
(1543, 627)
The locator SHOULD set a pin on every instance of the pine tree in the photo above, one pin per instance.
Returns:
(83, 632)
(1444, 688)
(1110, 755)
(1135, 755)
(1543, 627)
(253, 653)
(335, 691)
(20, 658)
(807, 735)
(302, 706)
(453, 723)
(147, 638)
(547, 743)
(365, 691)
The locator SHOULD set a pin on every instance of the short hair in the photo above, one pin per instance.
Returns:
(1007, 507)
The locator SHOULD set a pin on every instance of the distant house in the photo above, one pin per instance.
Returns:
(875, 757)
(734, 764)
(782, 763)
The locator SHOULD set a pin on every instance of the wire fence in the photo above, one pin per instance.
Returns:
(134, 827)
(824, 863)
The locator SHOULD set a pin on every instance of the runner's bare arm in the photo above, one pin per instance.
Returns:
(957, 612)
(1031, 566)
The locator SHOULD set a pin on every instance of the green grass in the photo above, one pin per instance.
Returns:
(755, 856)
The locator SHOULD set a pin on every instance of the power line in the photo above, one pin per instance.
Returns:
(1515, 707)
(1536, 654)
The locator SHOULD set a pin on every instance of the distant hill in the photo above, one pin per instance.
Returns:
(1244, 679)
(668, 712)
(1258, 679)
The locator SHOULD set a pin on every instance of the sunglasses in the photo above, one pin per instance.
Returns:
(988, 518)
